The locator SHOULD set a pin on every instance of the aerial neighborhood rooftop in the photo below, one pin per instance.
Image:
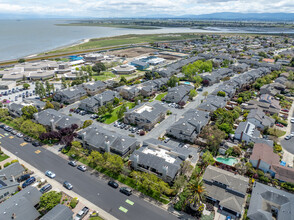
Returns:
(202, 127)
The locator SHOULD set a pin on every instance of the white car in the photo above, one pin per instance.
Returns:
(292, 134)
(288, 137)
(50, 174)
(292, 120)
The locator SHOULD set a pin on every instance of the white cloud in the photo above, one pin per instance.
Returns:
(119, 8)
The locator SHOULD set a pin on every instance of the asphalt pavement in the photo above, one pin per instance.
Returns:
(86, 184)
(289, 144)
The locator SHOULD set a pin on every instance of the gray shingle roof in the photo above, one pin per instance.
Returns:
(15, 169)
(21, 205)
(264, 197)
(59, 212)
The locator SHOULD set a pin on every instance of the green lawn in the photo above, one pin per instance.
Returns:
(95, 218)
(125, 40)
(3, 157)
(160, 96)
(276, 132)
(110, 118)
(104, 76)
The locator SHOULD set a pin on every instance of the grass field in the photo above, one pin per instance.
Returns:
(110, 25)
(104, 76)
(276, 132)
(110, 118)
(160, 96)
(3, 157)
(125, 40)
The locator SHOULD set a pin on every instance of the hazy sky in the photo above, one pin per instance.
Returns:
(129, 8)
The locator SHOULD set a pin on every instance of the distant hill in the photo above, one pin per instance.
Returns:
(243, 16)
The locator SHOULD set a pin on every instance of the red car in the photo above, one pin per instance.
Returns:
(279, 125)
(285, 110)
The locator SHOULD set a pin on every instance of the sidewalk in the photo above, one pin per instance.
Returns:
(288, 128)
(59, 187)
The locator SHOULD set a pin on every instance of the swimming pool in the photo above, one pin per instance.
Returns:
(229, 161)
(187, 83)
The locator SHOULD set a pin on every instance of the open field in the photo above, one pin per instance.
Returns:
(126, 40)
(104, 76)
(110, 25)
(112, 117)
(132, 52)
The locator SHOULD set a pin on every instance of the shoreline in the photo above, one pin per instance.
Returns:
(79, 42)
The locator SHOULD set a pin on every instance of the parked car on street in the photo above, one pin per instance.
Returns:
(113, 184)
(82, 168)
(50, 174)
(288, 137)
(126, 190)
(36, 143)
(72, 163)
(67, 185)
(20, 135)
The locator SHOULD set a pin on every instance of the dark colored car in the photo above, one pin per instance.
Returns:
(2, 125)
(23, 177)
(36, 143)
(113, 184)
(27, 139)
(126, 190)
(67, 185)
(45, 188)
(72, 163)
(28, 182)
(82, 168)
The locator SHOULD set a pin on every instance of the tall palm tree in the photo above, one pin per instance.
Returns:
(196, 193)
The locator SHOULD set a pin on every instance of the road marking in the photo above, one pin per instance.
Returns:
(37, 151)
(129, 202)
(6, 134)
(11, 137)
(23, 144)
(2, 135)
(123, 209)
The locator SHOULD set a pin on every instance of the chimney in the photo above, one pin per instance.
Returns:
(139, 102)
(12, 177)
(52, 125)
(164, 173)
(83, 138)
(13, 216)
(136, 161)
(107, 146)
(198, 127)
(100, 100)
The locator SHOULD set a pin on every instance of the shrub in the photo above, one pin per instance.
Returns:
(6, 164)
(73, 203)
(221, 93)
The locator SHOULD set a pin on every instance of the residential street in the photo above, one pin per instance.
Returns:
(289, 144)
(85, 184)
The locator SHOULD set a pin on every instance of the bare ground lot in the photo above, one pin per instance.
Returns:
(132, 52)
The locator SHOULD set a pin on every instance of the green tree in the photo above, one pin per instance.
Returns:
(123, 80)
(22, 60)
(109, 107)
(32, 129)
(121, 111)
(221, 93)
(49, 200)
(49, 105)
(4, 113)
(207, 159)
(113, 162)
(172, 82)
(205, 94)
(192, 93)
(29, 111)
(87, 123)
(96, 159)
(148, 75)
(213, 136)
(102, 110)
(196, 193)
(115, 101)
(99, 67)
(26, 85)
(48, 87)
